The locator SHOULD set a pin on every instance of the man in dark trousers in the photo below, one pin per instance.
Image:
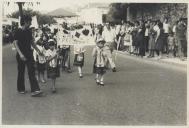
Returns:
(23, 41)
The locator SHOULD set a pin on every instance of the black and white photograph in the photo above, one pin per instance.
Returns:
(94, 63)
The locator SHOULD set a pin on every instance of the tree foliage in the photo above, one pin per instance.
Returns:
(146, 11)
(117, 12)
(41, 18)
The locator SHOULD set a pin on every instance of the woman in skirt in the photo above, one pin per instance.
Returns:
(152, 37)
(52, 60)
(79, 58)
(159, 40)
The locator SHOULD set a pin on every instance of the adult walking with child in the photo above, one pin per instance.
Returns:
(23, 42)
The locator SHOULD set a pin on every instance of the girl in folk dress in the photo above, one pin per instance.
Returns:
(79, 58)
(99, 55)
(79, 53)
(98, 36)
(79, 50)
(52, 59)
(40, 60)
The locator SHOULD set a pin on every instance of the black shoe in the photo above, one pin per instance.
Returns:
(37, 93)
(54, 90)
(80, 76)
(69, 71)
(114, 69)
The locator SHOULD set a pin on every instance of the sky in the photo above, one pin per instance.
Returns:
(49, 5)
(44, 6)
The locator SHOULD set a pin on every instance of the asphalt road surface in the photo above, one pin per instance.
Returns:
(139, 93)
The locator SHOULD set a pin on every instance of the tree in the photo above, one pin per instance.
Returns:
(45, 19)
(42, 18)
(117, 12)
(21, 4)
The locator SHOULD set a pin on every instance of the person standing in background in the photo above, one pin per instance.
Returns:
(146, 35)
(140, 39)
(109, 36)
(166, 28)
(159, 40)
(152, 37)
(180, 34)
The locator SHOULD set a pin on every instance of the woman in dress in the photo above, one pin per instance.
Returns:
(152, 37)
(140, 39)
(134, 38)
(159, 40)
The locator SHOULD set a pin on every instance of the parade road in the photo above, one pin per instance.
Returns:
(139, 93)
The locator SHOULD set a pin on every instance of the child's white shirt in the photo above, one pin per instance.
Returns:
(50, 53)
(100, 56)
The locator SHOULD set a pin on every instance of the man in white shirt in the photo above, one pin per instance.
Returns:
(166, 27)
(109, 36)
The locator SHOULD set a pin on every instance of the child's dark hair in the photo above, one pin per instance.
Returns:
(24, 19)
(160, 25)
(102, 41)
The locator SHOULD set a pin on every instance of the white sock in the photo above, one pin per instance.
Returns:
(79, 70)
(102, 78)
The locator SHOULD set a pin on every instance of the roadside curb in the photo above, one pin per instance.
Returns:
(163, 61)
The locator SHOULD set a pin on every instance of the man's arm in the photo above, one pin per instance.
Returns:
(15, 42)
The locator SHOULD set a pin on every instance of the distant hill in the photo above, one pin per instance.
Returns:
(60, 12)
(43, 12)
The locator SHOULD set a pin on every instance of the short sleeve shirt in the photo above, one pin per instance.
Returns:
(24, 38)
(166, 28)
